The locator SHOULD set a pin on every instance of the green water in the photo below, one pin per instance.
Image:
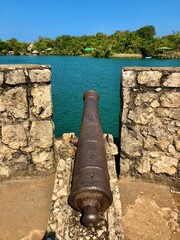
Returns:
(72, 76)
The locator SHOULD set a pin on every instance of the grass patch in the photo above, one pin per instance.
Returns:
(126, 55)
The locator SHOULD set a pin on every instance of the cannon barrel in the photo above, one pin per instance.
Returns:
(90, 187)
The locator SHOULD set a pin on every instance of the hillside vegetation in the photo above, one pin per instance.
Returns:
(140, 43)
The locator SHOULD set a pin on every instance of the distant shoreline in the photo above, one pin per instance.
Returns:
(115, 55)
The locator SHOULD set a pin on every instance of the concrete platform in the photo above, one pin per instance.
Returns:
(24, 208)
(149, 211)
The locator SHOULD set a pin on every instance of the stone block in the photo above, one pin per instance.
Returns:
(141, 115)
(40, 75)
(129, 143)
(14, 136)
(42, 103)
(126, 95)
(144, 165)
(172, 80)
(4, 170)
(125, 166)
(1, 78)
(150, 143)
(43, 160)
(170, 99)
(41, 134)
(177, 143)
(5, 148)
(14, 77)
(146, 99)
(2, 104)
(165, 164)
(149, 78)
(15, 103)
(168, 113)
(129, 78)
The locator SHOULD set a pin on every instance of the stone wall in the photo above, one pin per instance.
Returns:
(26, 128)
(150, 124)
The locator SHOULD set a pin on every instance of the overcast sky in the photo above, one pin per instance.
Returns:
(27, 20)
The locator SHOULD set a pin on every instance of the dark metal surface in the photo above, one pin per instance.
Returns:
(90, 189)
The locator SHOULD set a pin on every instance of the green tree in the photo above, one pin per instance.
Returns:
(43, 43)
(146, 32)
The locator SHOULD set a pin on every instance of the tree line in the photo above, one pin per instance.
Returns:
(142, 41)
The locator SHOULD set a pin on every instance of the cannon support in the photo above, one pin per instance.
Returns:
(90, 189)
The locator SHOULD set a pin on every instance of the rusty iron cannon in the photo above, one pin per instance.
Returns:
(90, 187)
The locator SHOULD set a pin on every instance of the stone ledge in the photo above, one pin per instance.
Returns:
(64, 222)
(22, 66)
(171, 69)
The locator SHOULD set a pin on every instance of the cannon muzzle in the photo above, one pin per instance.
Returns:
(90, 188)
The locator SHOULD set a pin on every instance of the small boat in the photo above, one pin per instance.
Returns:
(148, 56)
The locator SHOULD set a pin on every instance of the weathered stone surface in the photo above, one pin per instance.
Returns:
(154, 217)
(173, 80)
(145, 98)
(129, 143)
(166, 165)
(1, 78)
(24, 207)
(170, 99)
(150, 143)
(5, 150)
(125, 165)
(14, 136)
(129, 78)
(177, 143)
(144, 166)
(43, 160)
(40, 75)
(66, 137)
(2, 104)
(41, 134)
(111, 148)
(42, 102)
(148, 210)
(172, 113)
(155, 104)
(4, 170)
(15, 103)
(126, 95)
(34, 235)
(15, 77)
(149, 78)
(141, 115)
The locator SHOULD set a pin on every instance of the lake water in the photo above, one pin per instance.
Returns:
(72, 76)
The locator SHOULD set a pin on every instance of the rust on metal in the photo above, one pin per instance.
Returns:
(90, 188)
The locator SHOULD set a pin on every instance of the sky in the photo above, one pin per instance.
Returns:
(27, 20)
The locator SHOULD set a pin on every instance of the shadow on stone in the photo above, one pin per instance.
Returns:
(50, 236)
(117, 157)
